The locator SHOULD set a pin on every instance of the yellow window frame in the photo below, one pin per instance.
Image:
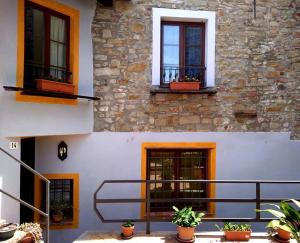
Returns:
(211, 146)
(74, 50)
(38, 197)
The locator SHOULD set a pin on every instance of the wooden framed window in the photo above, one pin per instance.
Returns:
(177, 164)
(178, 160)
(64, 196)
(47, 45)
(182, 52)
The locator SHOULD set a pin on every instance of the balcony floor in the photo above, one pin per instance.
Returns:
(163, 237)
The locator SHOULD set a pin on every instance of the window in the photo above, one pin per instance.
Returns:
(192, 45)
(186, 160)
(47, 52)
(46, 45)
(64, 200)
(177, 164)
(61, 195)
(183, 52)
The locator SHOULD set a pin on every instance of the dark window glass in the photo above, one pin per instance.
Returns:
(177, 165)
(46, 45)
(61, 192)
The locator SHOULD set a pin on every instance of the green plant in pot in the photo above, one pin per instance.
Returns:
(236, 232)
(127, 229)
(186, 220)
(57, 209)
(288, 222)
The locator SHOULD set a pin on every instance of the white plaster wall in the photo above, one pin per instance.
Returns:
(10, 182)
(100, 156)
(35, 119)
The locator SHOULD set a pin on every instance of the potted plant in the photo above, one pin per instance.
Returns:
(34, 232)
(236, 232)
(57, 209)
(52, 84)
(186, 220)
(188, 83)
(127, 229)
(288, 221)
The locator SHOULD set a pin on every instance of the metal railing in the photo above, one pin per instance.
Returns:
(16, 198)
(39, 71)
(183, 74)
(257, 199)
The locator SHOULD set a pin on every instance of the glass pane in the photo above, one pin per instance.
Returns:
(171, 55)
(35, 36)
(171, 34)
(193, 55)
(193, 35)
(57, 29)
(34, 46)
(161, 167)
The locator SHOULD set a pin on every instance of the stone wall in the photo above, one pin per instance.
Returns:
(257, 69)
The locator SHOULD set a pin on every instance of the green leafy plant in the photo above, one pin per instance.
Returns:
(288, 217)
(34, 229)
(128, 223)
(186, 217)
(234, 227)
(58, 207)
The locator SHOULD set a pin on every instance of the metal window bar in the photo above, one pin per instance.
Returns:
(257, 199)
(39, 71)
(45, 214)
(183, 74)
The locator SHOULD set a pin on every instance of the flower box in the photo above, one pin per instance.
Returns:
(237, 235)
(53, 86)
(185, 86)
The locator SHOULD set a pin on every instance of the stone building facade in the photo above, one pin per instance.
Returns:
(257, 69)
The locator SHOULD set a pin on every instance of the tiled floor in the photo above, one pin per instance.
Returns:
(161, 237)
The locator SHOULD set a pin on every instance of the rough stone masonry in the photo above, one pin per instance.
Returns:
(257, 69)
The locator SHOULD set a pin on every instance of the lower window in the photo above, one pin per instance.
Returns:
(64, 200)
(177, 164)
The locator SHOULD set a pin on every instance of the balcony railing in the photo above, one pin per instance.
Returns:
(34, 71)
(183, 74)
(257, 200)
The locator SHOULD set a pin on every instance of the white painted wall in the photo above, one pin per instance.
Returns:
(35, 119)
(19, 119)
(100, 156)
(10, 182)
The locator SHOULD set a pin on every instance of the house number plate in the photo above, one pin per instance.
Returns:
(13, 145)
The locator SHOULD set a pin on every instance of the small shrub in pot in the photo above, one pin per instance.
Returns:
(186, 220)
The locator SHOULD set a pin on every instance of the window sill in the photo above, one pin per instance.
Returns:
(46, 94)
(156, 89)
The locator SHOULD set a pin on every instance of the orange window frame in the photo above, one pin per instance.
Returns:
(211, 146)
(73, 14)
(38, 197)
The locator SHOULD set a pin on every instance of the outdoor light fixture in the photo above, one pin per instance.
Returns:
(62, 151)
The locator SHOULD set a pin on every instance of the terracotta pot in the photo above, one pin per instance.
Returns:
(185, 85)
(57, 218)
(127, 231)
(237, 235)
(53, 86)
(186, 233)
(27, 239)
(283, 234)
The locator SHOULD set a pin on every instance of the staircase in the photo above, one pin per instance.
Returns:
(17, 198)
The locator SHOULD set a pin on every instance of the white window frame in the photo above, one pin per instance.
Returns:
(165, 14)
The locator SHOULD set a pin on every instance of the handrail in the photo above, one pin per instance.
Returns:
(45, 214)
(24, 165)
(257, 199)
(24, 203)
